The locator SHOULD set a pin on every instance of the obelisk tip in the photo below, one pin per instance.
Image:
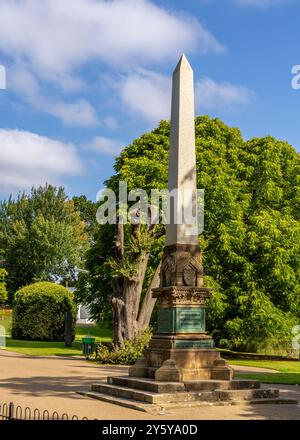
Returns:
(183, 62)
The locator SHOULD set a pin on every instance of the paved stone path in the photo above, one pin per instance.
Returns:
(51, 383)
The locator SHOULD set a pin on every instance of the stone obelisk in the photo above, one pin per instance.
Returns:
(182, 160)
(181, 349)
(181, 366)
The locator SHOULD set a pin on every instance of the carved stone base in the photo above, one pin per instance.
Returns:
(164, 362)
(168, 372)
(221, 369)
(181, 350)
(139, 369)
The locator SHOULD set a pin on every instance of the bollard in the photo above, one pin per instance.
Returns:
(68, 329)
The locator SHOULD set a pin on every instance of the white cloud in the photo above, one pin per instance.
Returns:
(47, 43)
(57, 37)
(101, 144)
(147, 94)
(211, 95)
(79, 113)
(110, 122)
(30, 159)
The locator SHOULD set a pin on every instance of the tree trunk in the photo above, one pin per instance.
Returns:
(149, 302)
(132, 296)
(130, 316)
(119, 324)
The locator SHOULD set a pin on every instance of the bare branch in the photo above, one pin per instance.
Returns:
(149, 302)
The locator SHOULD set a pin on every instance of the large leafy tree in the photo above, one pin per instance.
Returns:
(251, 239)
(87, 210)
(41, 236)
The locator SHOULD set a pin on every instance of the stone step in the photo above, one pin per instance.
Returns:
(160, 409)
(150, 397)
(126, 403)
(146, 384)
(123, 392)
(164, 398)
(212, 385)
(193, 385)
(254, 394)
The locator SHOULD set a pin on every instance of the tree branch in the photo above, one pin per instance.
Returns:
(148, 302)
(119, 239)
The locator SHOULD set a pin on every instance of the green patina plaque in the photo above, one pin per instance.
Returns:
(166, 321)
(194, 344)
(190, 320)
(181, 320)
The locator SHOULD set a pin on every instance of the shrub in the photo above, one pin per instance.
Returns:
(39, 312)
(128, 355)
(3, 291)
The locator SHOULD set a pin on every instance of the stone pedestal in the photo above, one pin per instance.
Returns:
(181, 350)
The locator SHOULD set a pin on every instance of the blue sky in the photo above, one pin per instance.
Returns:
(84, 81)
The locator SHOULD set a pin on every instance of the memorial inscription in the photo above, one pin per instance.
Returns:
(181, 320)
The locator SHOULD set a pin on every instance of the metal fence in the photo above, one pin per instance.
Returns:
(8, 411)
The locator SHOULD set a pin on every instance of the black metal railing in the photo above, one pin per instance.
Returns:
(8, 411)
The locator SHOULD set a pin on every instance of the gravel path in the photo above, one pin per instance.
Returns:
(51, 383)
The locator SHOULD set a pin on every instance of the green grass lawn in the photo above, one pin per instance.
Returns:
(281, 366)
(279, 378)
(37, 348)
(288, 371)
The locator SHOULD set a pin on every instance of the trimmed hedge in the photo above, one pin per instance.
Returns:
(3, 291)
(39, 312)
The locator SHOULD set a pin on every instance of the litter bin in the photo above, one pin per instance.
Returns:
(88, 345)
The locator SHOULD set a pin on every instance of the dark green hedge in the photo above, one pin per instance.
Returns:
(39, 312)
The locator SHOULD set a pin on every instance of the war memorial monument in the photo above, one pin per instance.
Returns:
(181, 367)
